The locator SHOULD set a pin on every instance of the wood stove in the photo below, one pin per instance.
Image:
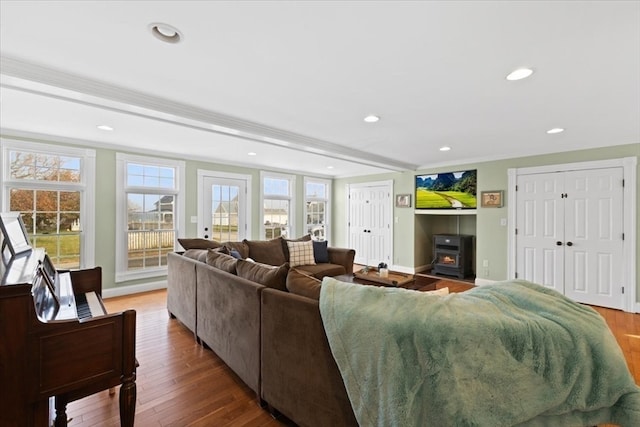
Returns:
(452, 255)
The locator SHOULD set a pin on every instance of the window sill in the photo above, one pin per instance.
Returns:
(143, 274)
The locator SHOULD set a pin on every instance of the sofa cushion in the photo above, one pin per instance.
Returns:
(285, 247)
(320, 251)
(303, 284)
(301, 253)
(241, 247)
(266, 251)
(221, 260)
(321, 270)
(198, 243)
(272, 277)
(197, 254)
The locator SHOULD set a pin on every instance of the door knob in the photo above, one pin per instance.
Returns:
(558, 243)
(569, 244)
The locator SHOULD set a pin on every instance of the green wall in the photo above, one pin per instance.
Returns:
(412, 232)
(411, 242)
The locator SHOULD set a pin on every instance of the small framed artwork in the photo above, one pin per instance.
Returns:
(492, 199)
(403, 200)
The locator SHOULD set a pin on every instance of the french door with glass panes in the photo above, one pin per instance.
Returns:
(223, 209)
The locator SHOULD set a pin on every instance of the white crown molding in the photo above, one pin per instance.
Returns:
(28, 77)
(56, 139)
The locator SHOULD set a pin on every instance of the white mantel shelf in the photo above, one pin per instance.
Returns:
(445, 211)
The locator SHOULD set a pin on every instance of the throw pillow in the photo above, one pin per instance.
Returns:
(235, 254)
(241, 247)
(301, 284)
(301, 253)
(272, 277)
(266, 251)
(222, 261)
(320, 251)
(198, 243)
(285, 246)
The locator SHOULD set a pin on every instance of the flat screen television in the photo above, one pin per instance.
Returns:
(449, 190)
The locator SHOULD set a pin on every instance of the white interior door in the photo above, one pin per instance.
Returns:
(593, 237)
(223, 209)
(540, 219)
(370, 223)
(569, 233)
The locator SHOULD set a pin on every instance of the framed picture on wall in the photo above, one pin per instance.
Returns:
(403, 200)
(492, 199)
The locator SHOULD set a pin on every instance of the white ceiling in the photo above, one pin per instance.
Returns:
(293, 80)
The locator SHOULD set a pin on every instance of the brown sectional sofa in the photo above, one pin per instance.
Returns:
(272, 339)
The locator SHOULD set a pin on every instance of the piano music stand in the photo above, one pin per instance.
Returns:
(14, 232)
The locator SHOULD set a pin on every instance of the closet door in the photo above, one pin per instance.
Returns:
(540, 229)
(593, 236)
(569, 229)
(370, 223)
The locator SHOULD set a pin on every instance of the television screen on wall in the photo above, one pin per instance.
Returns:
(449, 190)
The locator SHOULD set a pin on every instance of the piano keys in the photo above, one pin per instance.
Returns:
(55, 345)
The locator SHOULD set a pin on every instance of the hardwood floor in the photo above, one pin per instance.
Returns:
(179, 382)
(182, 384)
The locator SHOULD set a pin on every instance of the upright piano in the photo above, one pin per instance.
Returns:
(53, 348)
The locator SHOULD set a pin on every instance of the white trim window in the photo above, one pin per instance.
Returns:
(150, 214)
(317, 207)
(53, 187)
(278, 205)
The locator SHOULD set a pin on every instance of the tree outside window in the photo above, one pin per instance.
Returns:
(44, 189)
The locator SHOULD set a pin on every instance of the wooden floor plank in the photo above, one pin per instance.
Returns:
(182, 384)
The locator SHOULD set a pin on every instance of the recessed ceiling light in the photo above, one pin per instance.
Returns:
(105, 127)
(520, 73)
(251, 153)
(445, 148)
(165, 32)
(555, 130)
(371, 118)
(329, 167)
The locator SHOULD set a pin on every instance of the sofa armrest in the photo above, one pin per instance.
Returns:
(181, 289)
(228, 320)
(342, 256)
(299, 376)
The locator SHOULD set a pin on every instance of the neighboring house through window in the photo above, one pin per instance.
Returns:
(52, 186)
(317, 209)
(278, 204)
(150, 214)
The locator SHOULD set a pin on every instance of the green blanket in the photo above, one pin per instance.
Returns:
(512, 353)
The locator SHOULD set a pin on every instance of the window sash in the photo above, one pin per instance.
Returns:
(150, 230)
(317, 221)
(270, 198)
(68, 207)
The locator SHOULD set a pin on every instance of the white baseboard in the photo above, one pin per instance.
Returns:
(482, 282)
(133, 289)
(403, 269)
(638, 307)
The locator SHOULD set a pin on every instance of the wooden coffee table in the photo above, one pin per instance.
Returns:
(416, 282)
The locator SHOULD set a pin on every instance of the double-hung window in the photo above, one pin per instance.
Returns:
(52, 186)
(150, 214)
(317, 209)
(278, 205)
